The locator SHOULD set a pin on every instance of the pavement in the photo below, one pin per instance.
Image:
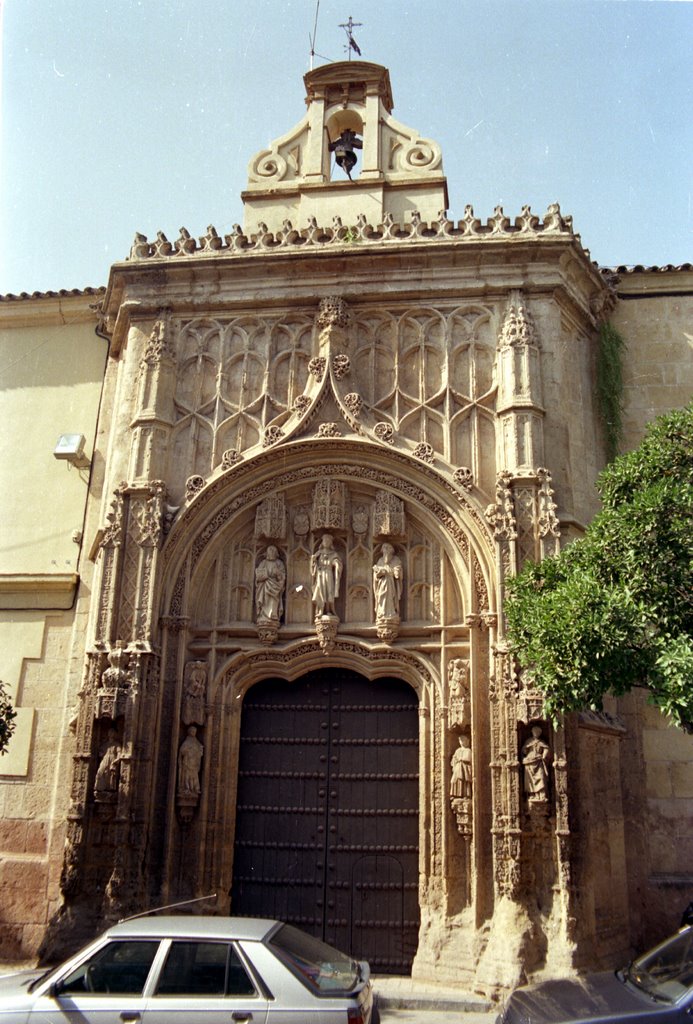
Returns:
(403, 1000)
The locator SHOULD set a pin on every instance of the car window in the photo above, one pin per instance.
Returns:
(119, 967)
(320, 967)
(203, 969)
(666, 972)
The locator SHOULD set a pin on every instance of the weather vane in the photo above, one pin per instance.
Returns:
(349, 27)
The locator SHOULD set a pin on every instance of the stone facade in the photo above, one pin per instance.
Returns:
(323, 449)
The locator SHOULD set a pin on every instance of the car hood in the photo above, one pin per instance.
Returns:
(17, 983)
(593, 998)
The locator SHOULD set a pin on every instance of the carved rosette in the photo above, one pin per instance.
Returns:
(230, 458)
(317, 367)
(354, 404)
(424, 451)
(272, 435)
(329, 430)
(193, 486)
(341, 366)
(301, 404)
(384, 432)
(464, 478)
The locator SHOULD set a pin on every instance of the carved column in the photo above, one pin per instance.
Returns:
(519, 402)
(155, 413)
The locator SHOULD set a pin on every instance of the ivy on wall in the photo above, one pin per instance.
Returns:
(610, 386)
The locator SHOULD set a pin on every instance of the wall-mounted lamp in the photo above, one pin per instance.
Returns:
(71, 448)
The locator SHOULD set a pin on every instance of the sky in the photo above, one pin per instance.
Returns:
(120, 116)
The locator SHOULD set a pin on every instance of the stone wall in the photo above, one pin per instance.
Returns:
(655, 318)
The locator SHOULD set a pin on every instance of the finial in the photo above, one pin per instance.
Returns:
(349, 27)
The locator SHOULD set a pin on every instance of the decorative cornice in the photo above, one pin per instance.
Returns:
(498, 227)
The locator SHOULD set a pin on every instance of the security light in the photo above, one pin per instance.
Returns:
(71, 448)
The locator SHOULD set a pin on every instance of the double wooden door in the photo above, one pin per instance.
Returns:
(327, 812)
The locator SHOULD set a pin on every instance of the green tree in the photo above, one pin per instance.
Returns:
(615, 609)
(7, 717)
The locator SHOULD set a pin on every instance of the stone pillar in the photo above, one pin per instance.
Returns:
(519, 401)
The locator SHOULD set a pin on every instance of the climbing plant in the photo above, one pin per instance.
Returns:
(610, 386)
(7, 717)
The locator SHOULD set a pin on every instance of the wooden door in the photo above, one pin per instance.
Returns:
(327, 816)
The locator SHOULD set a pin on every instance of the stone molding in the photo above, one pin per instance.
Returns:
(38, 590)
(469, 229)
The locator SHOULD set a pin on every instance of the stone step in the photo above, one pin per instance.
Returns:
(404, 993)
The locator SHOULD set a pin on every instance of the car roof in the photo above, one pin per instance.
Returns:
(189, 926)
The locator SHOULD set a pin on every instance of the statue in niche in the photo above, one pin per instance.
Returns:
(461, 780)
(536, 758)
(387, 584)
(270, 580)
(108, 772)
(189, 761)
(194, 694)
(458, 682)
(326, 573)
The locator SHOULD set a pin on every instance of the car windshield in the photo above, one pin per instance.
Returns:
(666, 972)
(320, 967)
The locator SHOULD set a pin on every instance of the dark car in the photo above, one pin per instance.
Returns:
(657, 988)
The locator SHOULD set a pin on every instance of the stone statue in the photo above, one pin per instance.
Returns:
(461, 780)
(194, 694)
(189, 761)
(326, 573)
(270, 580)
(536, 758)
(108, 772)
(387, 584)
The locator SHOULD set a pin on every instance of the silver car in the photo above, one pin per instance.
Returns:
(195, 970)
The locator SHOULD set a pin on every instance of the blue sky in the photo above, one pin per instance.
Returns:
(138, 115)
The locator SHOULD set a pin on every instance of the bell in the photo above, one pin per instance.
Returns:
(343, 149)
(345, 157)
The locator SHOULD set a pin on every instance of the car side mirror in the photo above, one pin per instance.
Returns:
(55, 989)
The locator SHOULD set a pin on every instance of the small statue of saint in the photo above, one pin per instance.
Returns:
(108, 772)
(461, 779)
(270, 580)
(189, 761)
(387, 585)
(326, 573)
(536, 757)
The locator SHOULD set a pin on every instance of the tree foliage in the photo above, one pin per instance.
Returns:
(7, 717)
(615, 609)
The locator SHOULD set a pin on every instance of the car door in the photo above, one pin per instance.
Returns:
(106, 988)
(205, 982)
